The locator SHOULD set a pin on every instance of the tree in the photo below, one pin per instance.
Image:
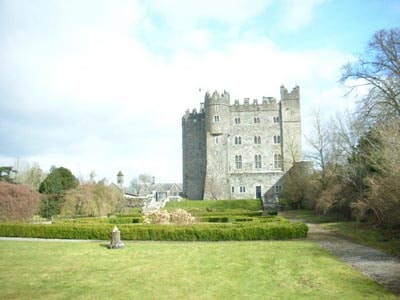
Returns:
(29, 175)
(145, 178)
(377, 70)
(380, 202)
(54, 186)
(92, 199)
(17, 203)
(58, 181)
(5, 173)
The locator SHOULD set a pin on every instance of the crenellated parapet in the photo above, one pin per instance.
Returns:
(293, 95)
(193, 116)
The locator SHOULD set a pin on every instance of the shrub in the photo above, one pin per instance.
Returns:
(206, 232)
(159, 217)
(181, 216)
(17, 203)
(92, 200)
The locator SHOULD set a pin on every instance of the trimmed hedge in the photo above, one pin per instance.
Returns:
(199, 232)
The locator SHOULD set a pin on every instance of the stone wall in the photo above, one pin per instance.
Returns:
(240, 151)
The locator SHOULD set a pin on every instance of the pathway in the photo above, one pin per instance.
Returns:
(379, 266)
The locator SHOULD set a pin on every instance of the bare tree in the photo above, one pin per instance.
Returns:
(377, 70)
(324, 153)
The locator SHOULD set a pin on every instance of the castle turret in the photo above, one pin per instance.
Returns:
(217, 113)
(217, 116)
(290, 127)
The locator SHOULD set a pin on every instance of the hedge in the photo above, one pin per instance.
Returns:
(199, 232)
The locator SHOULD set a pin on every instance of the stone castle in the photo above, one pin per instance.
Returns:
(240, 151)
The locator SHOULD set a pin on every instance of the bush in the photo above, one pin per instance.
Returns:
(158, 217)
(17, 203)
(181, 216)
(214, 219)
(206, 232)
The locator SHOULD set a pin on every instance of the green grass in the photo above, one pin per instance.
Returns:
(363, 233)
(310, 217)
(385, 240)
(216, 205)
(164, 270)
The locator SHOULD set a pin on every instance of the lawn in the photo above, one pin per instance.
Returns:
(216, 205)
(178, 270)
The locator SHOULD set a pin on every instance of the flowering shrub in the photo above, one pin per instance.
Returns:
(181, 216)
(158, 217)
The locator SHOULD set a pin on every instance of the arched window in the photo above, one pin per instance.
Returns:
(216, 119)
(257, 140)
(277, 139)
(277, 161)
(238, 161)
(257, 161)
(238, 140)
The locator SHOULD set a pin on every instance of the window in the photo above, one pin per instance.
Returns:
(216, 119)
(237, 120)
(277, 161)
(277, 139)
(216, 140)
(278, 189)
(238, 161)
(238, 140)
(276, 119)
(257, 140)
(256, 120)
(216, 108)
(243, 189)
(233, 189)
(257, 161)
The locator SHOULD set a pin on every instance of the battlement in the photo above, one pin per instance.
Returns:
(293, 95)
(265, 101)
(193, 116)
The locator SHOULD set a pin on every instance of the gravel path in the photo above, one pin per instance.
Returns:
(379, 266)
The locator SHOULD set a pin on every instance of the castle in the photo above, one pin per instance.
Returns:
(240, 151)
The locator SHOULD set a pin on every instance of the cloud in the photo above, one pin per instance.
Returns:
(297, 14)
(84, 89)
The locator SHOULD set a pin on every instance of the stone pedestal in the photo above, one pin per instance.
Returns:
(116, 239)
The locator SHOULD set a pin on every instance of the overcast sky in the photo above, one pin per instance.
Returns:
(102, 85)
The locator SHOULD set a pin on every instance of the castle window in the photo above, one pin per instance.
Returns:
(278, 189)
(216, 108)
(242, 189)
(237, 120)
(256, 120)
(257, 140)
(233, 189)
(276, 119)
(216, 140)
(238, 140)
(238, 161)
(277, 139)
(216, 119)
(277, 161)
(257, 161)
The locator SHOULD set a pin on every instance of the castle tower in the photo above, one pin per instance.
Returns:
(217, 117)
(290, 127)
(193, 154)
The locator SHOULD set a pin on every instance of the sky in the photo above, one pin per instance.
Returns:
(102, 85)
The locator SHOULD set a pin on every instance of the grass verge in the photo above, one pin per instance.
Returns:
(363, 233)
(164, 270)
